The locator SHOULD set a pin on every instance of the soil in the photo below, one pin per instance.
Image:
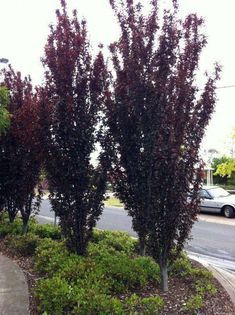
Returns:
(180, 290)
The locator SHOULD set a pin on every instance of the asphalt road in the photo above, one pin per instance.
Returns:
(212, 236)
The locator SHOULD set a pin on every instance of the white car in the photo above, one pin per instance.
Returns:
(217, 200)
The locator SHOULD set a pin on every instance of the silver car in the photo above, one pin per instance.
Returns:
(217, 200)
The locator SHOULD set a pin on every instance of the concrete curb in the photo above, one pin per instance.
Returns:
(226, 279)
(14, 296)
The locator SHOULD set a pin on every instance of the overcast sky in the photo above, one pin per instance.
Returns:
(24, 30)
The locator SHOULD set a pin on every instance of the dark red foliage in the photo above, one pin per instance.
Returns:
(73, 98)
(157, 118)
(20, 152)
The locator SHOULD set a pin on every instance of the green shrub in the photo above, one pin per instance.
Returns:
(150, 268)
(119, 241)
(181, 266)
(87, 283)
(205, 288)
(7, 228)
(148, 306)
(15, 227)
(73, 267)
(47, 231)
(22, 244)
(117, 270)
(55, 295)
(201, 279)
(99, 304)
(194, 304)
(202, 274)
(151, 305)
(123, 272)
(50, 256)
(100, 250)
(91, 299)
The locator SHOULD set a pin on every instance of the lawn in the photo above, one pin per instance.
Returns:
(113, 202)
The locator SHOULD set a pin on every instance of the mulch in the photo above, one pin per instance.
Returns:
(180, 290)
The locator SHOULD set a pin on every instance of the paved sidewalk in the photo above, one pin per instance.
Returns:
(14, 298)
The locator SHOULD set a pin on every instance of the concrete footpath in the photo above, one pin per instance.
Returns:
(14, 297)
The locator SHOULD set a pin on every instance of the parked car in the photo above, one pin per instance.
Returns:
(217, 200)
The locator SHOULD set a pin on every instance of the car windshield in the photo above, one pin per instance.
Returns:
(218, 192)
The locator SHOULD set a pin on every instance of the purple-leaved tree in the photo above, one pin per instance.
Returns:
(156, 118)
(20, 160)
(73, 97)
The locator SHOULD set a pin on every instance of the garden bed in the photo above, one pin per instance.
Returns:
(112, 279)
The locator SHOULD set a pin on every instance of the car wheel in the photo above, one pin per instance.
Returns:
(228, 211)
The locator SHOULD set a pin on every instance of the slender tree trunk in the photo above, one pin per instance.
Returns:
(11, 211)
(142, 246)
(164, 275)
(11, 218)
(77, 241)
(11, 215)
(25, 227)
(25, 220)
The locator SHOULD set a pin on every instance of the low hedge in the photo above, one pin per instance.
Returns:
(103, 282)
(92, 284)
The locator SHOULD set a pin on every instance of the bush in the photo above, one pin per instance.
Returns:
(205, 288)
(55, 295)
(147, 306)
(202, 287)
(24, 245)
(150, 268)
(202, 274)
(194, 303)
(15, 227)
(7, 228)
(181, 266)
(119, 241)
(47, 231)
(87, 283)
(124, 273)
(201, 282)
(50, 256)
(90, 300)
(58, 297)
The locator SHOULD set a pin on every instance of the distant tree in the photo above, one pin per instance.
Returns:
(73, 96)
(156, 119)
(20, 152)
(218, 179)
(226, 167)
(4, 114)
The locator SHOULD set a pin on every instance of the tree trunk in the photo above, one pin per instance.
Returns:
(25, 228)
(164, 276)
(11, 218)
(142, 246)
(11, 211)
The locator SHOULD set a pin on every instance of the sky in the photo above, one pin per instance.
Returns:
(24, 30)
